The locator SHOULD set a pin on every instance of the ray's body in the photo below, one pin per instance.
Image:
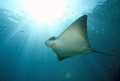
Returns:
(72, 41)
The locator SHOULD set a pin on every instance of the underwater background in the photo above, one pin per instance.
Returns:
(24, 29)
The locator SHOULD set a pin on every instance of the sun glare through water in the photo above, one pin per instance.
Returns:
(45, 11)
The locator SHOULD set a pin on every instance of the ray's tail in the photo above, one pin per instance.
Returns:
(103, 53)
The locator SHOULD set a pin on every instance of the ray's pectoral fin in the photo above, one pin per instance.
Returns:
(61, 55)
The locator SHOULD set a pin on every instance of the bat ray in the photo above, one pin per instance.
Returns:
(72, 41)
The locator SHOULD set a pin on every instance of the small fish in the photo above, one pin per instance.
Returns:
(21, 31)
(4, 25)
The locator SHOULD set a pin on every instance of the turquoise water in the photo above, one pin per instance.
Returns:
(25, 57)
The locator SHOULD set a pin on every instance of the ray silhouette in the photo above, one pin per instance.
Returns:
(72, 41)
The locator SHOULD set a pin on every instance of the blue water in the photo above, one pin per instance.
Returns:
(24, 56)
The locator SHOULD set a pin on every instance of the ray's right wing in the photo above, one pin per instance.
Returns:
(76, 32)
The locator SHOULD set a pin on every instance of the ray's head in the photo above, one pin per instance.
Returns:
(51, 42)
